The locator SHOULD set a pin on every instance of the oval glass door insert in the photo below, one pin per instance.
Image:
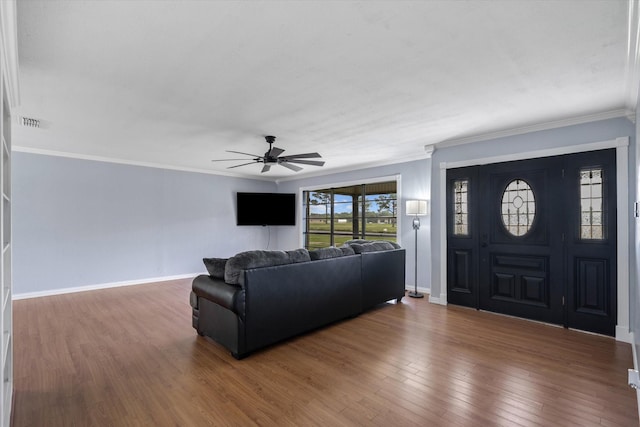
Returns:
(518, 207)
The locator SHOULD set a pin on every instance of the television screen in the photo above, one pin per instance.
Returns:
(266, 209)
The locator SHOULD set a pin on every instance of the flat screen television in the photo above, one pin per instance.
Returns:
(266, 208)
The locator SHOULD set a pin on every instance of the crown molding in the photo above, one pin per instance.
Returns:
(404, 159)
(53, 153)
(429, 149)
(9, 42)
(629, 114)
(633, 55)
(76, 156)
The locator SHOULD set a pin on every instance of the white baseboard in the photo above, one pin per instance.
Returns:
(635, 366)
(623, 334)
(100, 286)
(412, 287)
(442, 300)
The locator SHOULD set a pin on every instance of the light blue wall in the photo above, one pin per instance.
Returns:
(414, 184)
(82, 223)
(567, 136)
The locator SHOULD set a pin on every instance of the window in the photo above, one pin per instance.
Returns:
(591, 209)
(461, 207)
(518, 207)
(363, 211)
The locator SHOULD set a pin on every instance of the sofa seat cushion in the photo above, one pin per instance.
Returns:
(252, 259)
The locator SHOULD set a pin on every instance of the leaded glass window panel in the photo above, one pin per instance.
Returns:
(591, 206)
(518, 207)
(461, 207)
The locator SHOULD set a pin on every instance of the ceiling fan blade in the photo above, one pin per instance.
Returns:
(292, 167)
(275, 152)
(272, 157)
(301, 156)
(244, 164)
(306, 162)
(240, 152)
(226, 160)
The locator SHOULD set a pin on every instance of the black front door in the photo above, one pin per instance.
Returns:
(536, 239)
(521, 259)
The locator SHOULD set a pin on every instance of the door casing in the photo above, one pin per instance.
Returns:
(622, 178)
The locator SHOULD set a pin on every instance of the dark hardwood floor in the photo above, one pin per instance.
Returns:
(129, 357)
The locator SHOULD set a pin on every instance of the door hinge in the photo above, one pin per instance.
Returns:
(563, 301)
(563, 173)
(563, 237)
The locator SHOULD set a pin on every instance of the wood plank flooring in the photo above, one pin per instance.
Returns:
(129, 357)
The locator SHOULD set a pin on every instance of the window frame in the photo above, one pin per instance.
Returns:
(303, 234)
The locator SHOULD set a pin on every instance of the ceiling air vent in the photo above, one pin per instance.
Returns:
(29, 122)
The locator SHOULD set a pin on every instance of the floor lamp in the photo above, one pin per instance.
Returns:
(416, 208)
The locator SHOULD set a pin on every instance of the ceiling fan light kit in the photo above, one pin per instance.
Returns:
(273, 157)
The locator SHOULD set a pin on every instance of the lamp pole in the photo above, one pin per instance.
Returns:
(415, 293)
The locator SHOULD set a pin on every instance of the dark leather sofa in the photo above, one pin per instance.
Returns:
(273, 303)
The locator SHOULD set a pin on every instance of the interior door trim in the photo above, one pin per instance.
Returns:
(622, 176)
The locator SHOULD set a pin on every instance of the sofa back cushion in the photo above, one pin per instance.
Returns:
(299, 255)
(326, 253)
(347, 250)
(252, 259)
(372, 246)
(361, 241)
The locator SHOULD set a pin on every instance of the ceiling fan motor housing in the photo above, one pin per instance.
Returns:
(268, 158)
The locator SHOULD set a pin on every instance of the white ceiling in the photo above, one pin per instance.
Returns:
(176, 83)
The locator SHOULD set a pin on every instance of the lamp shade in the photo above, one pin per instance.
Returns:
(417, 207)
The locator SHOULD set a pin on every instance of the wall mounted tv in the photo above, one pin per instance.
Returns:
(266, 208)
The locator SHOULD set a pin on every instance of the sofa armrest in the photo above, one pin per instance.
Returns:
(383, 276)
(228, 296)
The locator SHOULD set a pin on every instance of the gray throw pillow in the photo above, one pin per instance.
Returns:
(215, 266)
(252, 259)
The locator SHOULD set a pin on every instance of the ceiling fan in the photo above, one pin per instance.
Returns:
(273, 157)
